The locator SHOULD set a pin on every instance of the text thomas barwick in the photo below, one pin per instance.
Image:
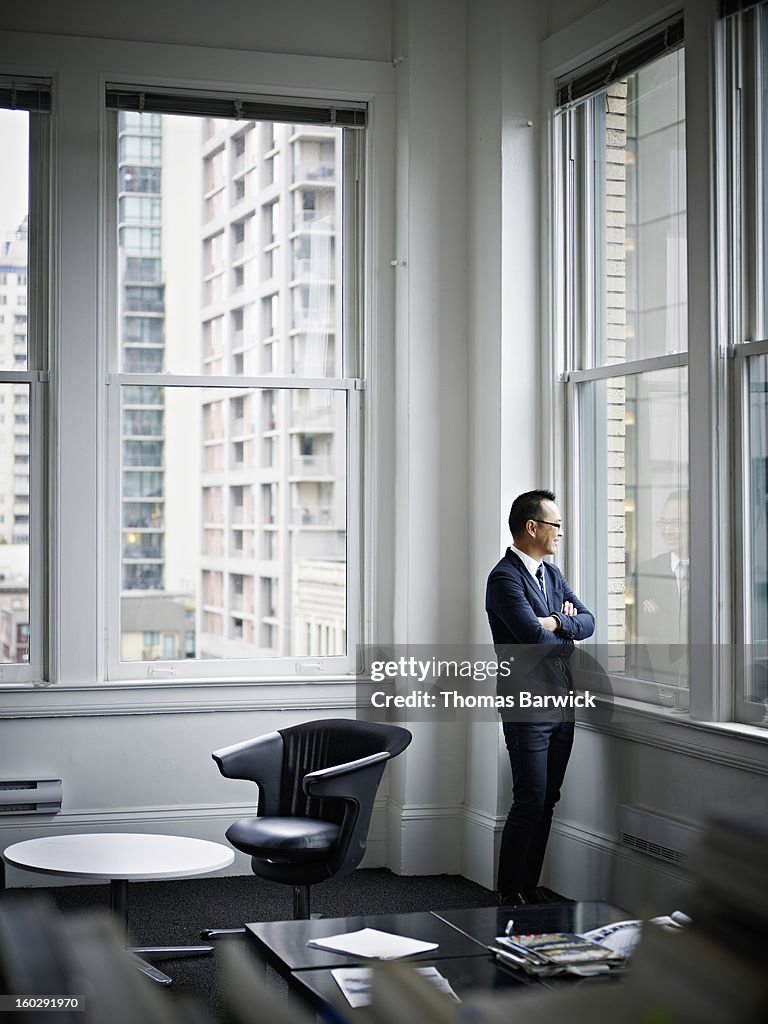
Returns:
(454, 699)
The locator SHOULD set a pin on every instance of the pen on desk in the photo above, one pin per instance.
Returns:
(505, 954)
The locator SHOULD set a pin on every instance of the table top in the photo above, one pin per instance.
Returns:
(119, 855)
(468, 966)
(283, 944)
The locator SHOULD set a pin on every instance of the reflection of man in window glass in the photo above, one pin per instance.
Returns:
(662, 597)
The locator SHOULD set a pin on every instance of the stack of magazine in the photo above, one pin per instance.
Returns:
(553, 953)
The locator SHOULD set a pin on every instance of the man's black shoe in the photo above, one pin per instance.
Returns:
(542, 894)
(516, 898)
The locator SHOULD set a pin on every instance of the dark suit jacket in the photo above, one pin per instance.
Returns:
(514, 603)
(658, 648)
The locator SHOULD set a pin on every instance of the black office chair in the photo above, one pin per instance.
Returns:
(317, 783)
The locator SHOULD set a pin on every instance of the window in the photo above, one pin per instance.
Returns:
(23, 361)
(624, 342)
(746, 277)
(199, 496)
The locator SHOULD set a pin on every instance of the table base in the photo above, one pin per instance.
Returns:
(140, 955)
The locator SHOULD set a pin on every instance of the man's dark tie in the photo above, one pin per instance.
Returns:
(540, 580)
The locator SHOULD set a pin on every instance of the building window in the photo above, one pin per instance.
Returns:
(23, 232)
(624, 340)
(746, 277)
(192, 435)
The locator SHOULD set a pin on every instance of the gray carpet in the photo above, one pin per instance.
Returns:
(173, 912)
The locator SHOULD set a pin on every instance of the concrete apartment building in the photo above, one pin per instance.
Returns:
(265, 573)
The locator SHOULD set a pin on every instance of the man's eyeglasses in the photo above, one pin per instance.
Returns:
(546, 522)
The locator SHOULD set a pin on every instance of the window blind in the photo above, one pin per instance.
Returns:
(729, 7)
(31, 95)
(591, 78)
(253, 109)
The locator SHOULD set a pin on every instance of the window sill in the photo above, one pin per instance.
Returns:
(153, 697)
(736, 744)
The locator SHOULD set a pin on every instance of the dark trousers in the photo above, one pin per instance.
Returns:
(538, 754)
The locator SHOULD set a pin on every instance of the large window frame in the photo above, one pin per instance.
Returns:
(34, 96)
(69, 673)
(581, 366)
(351, 384)
(727, 331)
(743, 42)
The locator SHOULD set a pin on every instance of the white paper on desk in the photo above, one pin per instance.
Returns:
(355, 983)
(370, 942)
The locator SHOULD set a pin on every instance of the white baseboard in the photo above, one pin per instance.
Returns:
(422, 839)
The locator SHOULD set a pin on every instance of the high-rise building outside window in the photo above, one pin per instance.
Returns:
(237, 427)
(23, 378)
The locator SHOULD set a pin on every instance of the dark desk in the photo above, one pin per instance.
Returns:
(461, 957)
(283, 944)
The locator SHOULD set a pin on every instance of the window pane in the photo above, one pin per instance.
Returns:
(640, 215)
(14, 222)
(758, 495)
(235, 517)
(233, 502)
(14, 397)
(14, 523)
(762, 17)
(240, 247)
(636, 567)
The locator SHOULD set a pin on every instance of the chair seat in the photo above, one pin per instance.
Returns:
(295, 839)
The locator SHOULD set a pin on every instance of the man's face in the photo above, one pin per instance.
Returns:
(548, 536)
(674, 525)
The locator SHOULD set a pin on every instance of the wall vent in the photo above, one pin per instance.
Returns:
(654, 834)
(32, 796)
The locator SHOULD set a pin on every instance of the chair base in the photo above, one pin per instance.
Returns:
(140, 955)
(301, 902)
(300, 913)
(221, 933)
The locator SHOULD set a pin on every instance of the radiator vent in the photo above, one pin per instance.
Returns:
(654, 834)
(32, 796)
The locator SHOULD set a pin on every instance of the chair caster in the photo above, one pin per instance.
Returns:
(221, 933)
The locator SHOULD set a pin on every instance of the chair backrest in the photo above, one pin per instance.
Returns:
(323, 744)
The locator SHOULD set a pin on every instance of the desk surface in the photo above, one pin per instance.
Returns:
(461, 957)
(283, 944)
(463, 973)
(119, 855)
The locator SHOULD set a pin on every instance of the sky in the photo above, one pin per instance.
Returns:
(14, 149)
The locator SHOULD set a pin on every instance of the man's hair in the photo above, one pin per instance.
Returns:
(527, 506)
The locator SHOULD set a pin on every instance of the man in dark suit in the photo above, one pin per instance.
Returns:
(535, 618)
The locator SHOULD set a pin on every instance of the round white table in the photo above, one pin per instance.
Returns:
(121, 857)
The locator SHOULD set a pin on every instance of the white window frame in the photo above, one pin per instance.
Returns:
(352, 384)
(575, 283)
(73, 676)
(37, 377)
(743, 271)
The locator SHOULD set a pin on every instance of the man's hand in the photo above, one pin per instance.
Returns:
(550, 623)
(569, 609)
